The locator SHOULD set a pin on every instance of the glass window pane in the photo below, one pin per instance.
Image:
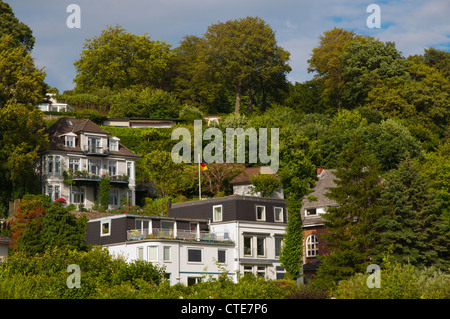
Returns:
(194, 255)
(153, 253)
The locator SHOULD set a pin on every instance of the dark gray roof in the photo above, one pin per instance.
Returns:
(73, 125)
(326, 180)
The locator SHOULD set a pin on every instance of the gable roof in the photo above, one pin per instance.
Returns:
(65, 126)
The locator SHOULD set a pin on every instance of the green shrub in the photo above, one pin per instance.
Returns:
(398, 282)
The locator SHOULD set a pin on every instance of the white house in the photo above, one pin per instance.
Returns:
(53, 105)
(80, 154)
(201, 238)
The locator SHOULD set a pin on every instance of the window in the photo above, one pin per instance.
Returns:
(248, 270)
(58, 165)
(140, 253)
(195, 255)
(247, 245)
(222, 256)
(278, 211)
(105, 228)
(166, 253)
(57, 191)
(280, 272)
(260, 246)
(153, 253)
(112, 168)
(311, 212)
(193, 280)
(217, 213)
(261, 271)
(142, 225)
(312, 246)
(50, 192)
(113, 145)
(278, 243)
(77, 195)
(70, 141)
(94, 167)
(94, 145)
(114, 197)
(50, 167)
(129, 169)
(74, 164)
(260, 212)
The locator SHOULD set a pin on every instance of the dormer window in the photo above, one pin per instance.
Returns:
(69, 139)
(311, 212)
(114, 144)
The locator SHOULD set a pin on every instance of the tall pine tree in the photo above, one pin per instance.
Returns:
(411, 226)
(350, 225)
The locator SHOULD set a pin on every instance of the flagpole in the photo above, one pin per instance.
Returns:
(199, 180)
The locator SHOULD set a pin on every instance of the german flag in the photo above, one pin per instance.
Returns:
(203, 166)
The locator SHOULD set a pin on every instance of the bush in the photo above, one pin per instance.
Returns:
(398, 282)
(45, 275)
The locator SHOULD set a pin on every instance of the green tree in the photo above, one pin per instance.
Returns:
(411, 227)
(62, 229)
(168, 176)
(265, 184)
(365, 64)
(298, 176)
(22, 130)
(350, 225)
(22, 34)
(390, 142)
(436, 169)
(145, 103)
(22, 82)
(245, 53)
(118, 59)
(195, 82)
(421, 100)
(326, 62)
(105, 187)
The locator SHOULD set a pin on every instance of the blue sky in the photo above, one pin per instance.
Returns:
(412, 24)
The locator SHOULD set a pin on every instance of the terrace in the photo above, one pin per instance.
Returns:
(158, 233)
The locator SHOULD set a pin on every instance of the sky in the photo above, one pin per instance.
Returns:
(412, 24)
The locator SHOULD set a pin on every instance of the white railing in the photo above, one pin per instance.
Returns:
(138, 234)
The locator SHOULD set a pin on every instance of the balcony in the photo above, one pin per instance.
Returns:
(89, 177)
(158, 233)
(96, 150)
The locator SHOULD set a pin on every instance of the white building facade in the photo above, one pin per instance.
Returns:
(80, 155)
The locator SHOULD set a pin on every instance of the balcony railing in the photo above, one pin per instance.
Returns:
(158, 233)
(95, 150)
(86, 176)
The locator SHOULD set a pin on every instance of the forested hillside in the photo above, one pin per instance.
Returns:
(380, 118)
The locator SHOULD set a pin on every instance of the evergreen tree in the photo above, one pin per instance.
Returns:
(411, 226)
(350, 225)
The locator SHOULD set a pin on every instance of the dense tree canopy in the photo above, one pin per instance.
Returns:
(118, 59)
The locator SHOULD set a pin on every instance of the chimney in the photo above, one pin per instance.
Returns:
(320, 169)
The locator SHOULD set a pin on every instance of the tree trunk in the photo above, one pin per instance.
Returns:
(250, 101)
(237, 107)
